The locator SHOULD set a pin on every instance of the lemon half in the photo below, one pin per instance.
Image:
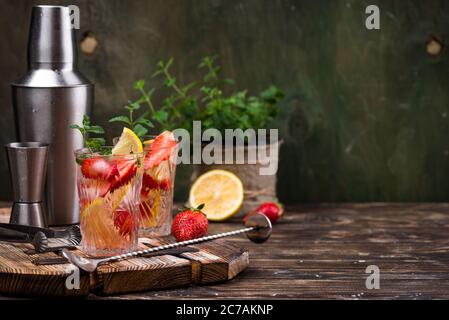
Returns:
(128, 143)
(221, 192)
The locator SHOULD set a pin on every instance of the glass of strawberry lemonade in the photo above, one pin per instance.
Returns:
(109, 193)
(157, 185)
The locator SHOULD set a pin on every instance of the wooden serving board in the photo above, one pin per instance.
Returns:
(216, 261)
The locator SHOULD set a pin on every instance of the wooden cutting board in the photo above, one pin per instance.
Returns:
(216, 261)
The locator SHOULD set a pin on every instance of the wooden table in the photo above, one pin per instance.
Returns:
(322, 252)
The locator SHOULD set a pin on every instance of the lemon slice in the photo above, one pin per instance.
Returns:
(93, 207)
(221, 192)
(96, 225)
(115, 198)
(128, 143)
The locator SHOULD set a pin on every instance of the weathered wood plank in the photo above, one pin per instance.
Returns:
(322, 251)
(216, 261)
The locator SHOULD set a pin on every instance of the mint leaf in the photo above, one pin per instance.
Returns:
(188, 87)
(139, 85)
(75, 126)
(95, 144)
(86, 120)
(170, 82)
(124, 119)
(169, 63)
(161, 115)
(96, 130)
(145, 122)
(133, 106)
(272, 94)
(140, 131)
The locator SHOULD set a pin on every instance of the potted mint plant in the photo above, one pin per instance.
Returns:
(212, 101)
(239, 110)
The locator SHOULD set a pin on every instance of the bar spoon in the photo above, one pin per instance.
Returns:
(257, 228)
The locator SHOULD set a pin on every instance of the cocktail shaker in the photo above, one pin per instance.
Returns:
(51, 96)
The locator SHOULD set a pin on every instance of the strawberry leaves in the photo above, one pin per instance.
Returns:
(200, 207)
(197, 209)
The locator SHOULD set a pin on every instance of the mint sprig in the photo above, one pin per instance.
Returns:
(211, 99)
(139, 124)
(94, 144)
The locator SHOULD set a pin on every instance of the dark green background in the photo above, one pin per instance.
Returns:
(366, 116)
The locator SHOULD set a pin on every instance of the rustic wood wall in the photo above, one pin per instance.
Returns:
(367, 112)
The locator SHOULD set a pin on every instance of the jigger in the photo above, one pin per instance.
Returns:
(28, 167)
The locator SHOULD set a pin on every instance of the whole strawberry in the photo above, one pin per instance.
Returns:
(272, 210)
(190, 224)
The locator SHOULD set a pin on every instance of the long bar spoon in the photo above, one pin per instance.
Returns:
(257, 228)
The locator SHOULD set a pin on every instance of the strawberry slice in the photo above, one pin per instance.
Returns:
(149, 182)
(126, 171)
(165, 184)
(124, 222)
(160, 149)
(99, 169)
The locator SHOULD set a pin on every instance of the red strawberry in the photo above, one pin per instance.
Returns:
(160, 149)
(124, 222)
(190, 224)
(149, 182)
(99, 168)
(126, 170)
(165, 184)
(272, 210)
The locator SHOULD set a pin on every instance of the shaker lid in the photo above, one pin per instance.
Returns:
(51, 38)
(51, 50)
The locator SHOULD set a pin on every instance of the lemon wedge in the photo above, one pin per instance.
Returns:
(221, 192)
(97, 226)
(128, 143)
(94, 207)
(114, 199)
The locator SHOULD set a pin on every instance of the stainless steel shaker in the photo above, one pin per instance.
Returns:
(51, 96)
(28, 166)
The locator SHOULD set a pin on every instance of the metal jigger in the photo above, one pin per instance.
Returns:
(28, 167)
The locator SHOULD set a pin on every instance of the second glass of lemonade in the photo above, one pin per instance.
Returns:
(157, 186)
